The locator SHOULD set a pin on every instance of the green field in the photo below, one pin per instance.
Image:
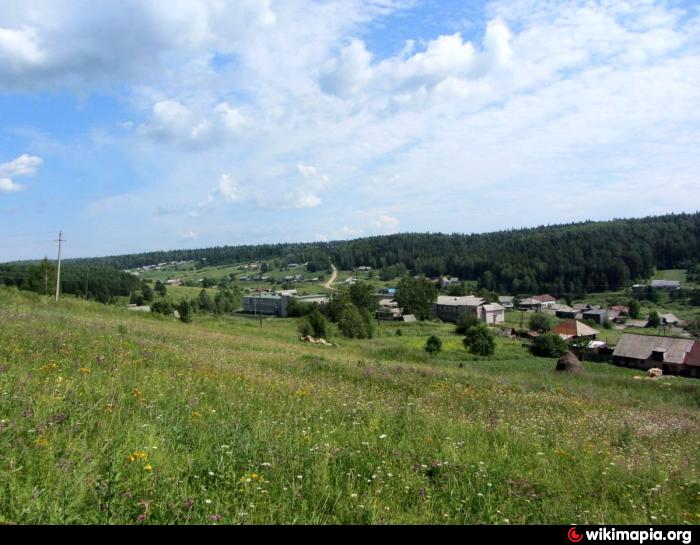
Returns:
(109, 416)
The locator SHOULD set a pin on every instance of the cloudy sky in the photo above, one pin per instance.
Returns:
(135, 125)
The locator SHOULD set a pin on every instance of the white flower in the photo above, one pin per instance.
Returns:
(382, 436)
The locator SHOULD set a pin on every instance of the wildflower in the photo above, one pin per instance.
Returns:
(137, 455)
(85, 370)
(148, 467)
(207, 502)
(382, 436)
(215, 518)
(189, 503)
(141, 517)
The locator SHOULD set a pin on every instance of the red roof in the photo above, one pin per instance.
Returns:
(692, 358)
(546, 298)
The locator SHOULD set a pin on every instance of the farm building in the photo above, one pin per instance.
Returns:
(537, 302)
(449, 309)
(492, 313)
(666, 284)
(570, 329)
(597, 315)
(506, 301)
(647, 351)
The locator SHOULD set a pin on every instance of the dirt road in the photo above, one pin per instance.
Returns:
(334, 275)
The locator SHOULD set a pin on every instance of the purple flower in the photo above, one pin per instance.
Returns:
(421, 493)
(189, 503)
(215, 518)
(141, 517)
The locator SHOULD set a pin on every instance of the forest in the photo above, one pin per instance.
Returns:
(564, 260)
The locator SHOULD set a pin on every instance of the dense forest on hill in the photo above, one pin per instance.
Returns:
(89, 280)
(570, 259)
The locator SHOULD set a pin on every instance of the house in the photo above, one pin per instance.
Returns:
(666, 284)
(409, 318)
(174, 282)
(692, 361)
(492, 313)
(647, 351)
(571, 329)
(564, 311)
(622, 310)
(668, 319)
(598, 316)
(448, 281)
(388, 313)
(364, 268)
(530, 303)
(506, 301)
(636, 323)
(546, 300)
(449, 308)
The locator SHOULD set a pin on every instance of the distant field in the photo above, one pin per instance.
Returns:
(108, 416)
(671, 274)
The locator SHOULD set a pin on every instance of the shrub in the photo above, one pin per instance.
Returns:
(539, 322)
(433, 345)
(185, 311)
(399, 332)
(319, 325)
(164, 307)
(654, 319)
(305, 329)
(634, 308)
(480, 340)
(356, 323)
(464, 322)
(549, 345)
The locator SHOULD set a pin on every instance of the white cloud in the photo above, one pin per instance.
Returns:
(386, 222)
(227, 189)
(24, 165)
(8, 186)
(190, 235)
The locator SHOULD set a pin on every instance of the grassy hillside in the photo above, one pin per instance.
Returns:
(108, 416)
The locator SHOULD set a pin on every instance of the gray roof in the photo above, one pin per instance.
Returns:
(467, 301)
(492, 307)
(641, 346)
(665, 284)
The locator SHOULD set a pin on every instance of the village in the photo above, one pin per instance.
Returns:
(657, 341)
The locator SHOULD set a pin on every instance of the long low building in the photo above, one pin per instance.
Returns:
(277, 303)
(672, 355)
(449, 309)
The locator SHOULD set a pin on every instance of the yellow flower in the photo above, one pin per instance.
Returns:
(41, 442)
(85, 370)
(148, 467)
(138, 455)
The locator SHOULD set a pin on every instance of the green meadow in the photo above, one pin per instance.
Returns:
(111, 416)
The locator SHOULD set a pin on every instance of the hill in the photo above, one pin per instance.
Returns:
(108, 416)
(564, 260)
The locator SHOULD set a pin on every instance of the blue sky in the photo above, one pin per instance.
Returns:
(141, 125)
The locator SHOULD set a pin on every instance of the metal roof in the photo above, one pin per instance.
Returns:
(640, 347)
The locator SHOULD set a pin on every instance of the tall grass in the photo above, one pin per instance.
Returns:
(108, 416)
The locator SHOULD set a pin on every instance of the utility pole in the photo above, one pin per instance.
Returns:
(87, 276)
(58, 272)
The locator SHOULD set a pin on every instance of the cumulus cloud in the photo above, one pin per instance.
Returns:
(227, 189)
(305, 193)
(24, 165)
(173, 122)
(386, 222)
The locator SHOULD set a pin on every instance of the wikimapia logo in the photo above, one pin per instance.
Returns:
(636, 536)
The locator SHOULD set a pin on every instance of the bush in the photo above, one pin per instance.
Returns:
(305, 329)
(356, 323)
(318, 324)
(164, 307)
(480, 340)
(634, 308)
(539, 322)
(654, 319)
(185, 311)
(549, 345)
(433, 345)
(464, 322)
